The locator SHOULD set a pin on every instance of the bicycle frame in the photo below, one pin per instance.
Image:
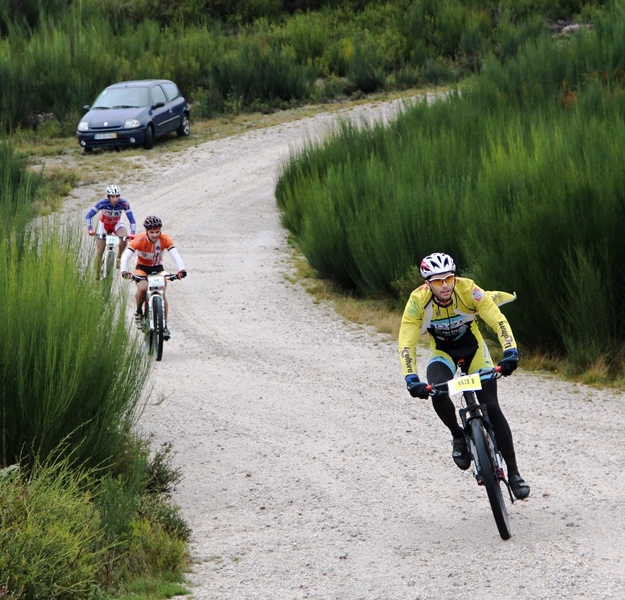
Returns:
(154, 311)
(109, 256)
(480, 437)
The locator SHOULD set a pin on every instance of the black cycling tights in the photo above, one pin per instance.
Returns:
(438, 372)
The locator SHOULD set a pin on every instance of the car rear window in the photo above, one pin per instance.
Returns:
(171, 89)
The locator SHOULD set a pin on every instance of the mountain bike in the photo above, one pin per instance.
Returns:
(486, 458)
(109, 255)
(154, 312)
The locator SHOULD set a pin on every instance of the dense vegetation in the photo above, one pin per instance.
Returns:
(232, 55)
(519, 177)
(83, 501)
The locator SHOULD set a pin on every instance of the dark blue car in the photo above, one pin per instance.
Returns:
(134, 113)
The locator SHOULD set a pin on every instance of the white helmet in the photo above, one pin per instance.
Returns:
(113, 190)
(436, 264)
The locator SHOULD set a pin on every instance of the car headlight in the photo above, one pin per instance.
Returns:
(83, 126)
(131, 123)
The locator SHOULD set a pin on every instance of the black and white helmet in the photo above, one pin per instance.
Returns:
(437, 264)
(113, 190)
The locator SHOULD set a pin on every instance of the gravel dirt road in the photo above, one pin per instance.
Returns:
(308, 470)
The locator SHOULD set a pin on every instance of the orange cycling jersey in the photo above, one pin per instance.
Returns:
(150, 254)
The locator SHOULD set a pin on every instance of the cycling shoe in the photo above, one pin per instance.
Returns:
(520, 489)
(460, 453)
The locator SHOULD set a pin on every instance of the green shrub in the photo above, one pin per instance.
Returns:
(50, 534)
(151, 551)
(308, 37)
(255, 73)
(70, 368)
(18, 189)
(366, 68)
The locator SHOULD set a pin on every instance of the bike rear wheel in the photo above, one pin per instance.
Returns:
(487, 469)
(159, 319)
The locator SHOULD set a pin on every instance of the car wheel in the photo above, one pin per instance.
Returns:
(184, 129)
(148, 143)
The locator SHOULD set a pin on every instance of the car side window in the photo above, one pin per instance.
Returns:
(172, 90)
(158, 95)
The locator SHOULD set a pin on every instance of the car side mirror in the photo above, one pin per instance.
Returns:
(158, 105)
(86, 107)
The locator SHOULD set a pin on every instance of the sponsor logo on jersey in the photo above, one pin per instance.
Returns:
(477, 294)
(405, 354)
(413, 308)
(505, 334)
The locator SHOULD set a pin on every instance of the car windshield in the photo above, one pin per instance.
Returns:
(129, 97)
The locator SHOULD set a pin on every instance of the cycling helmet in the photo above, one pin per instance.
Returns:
(152, 222)
(113, 190)
(436, 264)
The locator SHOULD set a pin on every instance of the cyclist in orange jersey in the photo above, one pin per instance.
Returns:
(150, 248)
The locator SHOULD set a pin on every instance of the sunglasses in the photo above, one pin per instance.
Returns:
(439, 282)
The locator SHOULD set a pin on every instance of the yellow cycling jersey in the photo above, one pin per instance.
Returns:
(452, 328)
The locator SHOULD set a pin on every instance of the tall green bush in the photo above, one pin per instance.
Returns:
(543, 219)
(70, 369)
(262, 74)
(51, 537)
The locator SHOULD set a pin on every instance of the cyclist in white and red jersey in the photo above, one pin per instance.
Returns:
(150, 247)
(110, 222)
(445, 307)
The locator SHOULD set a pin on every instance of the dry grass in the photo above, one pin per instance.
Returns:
(379, 314)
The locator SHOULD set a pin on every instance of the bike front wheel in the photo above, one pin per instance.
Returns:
(488, 471)
(148, 332)
(108, 264)
(158, 322)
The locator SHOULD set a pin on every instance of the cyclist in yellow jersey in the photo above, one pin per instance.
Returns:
(445, 307)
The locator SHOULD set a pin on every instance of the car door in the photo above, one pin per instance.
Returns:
(161, 115)
(176, 102)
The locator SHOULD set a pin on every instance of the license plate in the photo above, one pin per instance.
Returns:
(105, 136)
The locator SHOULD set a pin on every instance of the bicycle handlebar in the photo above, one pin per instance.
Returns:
(485, 375)
(168, 276)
